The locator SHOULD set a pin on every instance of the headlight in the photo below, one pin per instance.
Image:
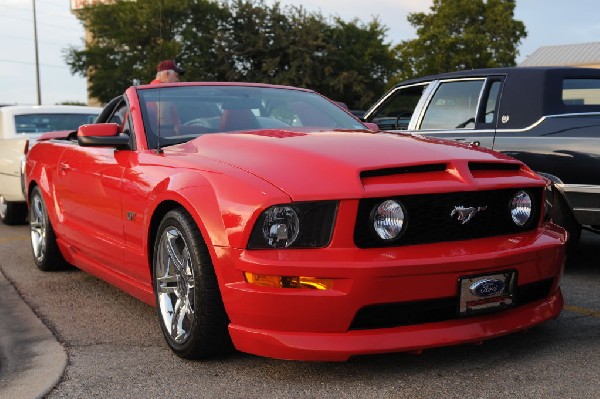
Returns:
(296, 225)
(388, 220)
(281, 226)
(521, 208)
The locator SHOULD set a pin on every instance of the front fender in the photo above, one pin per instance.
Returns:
(222, 205)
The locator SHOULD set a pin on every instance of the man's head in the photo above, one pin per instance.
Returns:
(168, 72)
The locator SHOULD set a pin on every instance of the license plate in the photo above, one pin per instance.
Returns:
(486, 293)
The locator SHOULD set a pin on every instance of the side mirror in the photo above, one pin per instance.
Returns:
(102, 135)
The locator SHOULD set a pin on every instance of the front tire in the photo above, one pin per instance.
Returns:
(189, 304)
(46, 254)
(12, 213)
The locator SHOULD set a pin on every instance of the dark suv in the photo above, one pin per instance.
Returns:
(547, 117)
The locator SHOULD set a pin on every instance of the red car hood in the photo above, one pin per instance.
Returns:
(329, 164)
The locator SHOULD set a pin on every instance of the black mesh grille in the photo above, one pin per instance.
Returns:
(435, 310)
(428, 217)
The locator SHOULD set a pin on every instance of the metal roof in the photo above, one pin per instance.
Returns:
(567, 54)
(521, 71)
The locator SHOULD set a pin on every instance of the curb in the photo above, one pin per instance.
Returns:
(32, 361)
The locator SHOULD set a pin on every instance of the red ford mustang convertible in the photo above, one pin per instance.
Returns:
(268, 219)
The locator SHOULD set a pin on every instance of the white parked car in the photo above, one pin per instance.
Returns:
(20, 126)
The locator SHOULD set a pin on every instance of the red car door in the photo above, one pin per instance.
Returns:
(89, 182)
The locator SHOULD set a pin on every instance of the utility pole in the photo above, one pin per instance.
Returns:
(37, 62)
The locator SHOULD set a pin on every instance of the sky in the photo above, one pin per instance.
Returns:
(548, 22)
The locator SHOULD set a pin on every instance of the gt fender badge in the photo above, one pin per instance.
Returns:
(464, 214)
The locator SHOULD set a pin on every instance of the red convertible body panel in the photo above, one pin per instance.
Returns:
(105, 204)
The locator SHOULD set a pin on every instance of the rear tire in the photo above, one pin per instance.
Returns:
(189, 304)
(12, 213)
(46, 254)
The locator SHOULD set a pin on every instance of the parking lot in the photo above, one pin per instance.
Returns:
(116, 349)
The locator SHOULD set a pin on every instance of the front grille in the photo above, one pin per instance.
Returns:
(428, 217)
(434, 310)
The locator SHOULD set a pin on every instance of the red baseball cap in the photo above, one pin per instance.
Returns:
(169, 64)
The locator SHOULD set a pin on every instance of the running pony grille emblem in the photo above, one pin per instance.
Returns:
(464, 215)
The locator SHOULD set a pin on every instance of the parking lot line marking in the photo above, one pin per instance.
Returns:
(583, 311)
(15, 238)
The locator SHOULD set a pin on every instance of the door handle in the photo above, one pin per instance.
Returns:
(64, 167)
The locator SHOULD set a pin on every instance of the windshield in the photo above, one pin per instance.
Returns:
(179, 114)
(40, 123)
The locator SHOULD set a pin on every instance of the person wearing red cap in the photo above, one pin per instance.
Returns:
(167, 72)
(165, 113)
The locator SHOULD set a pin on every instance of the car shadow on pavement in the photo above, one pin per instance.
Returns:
(586, 259)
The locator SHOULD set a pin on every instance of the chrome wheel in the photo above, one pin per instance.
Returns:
(175, 285)
(38, 227)
(188, 300)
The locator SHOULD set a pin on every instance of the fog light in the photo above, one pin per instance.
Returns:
(265, 280)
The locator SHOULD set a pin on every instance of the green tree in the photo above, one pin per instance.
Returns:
(236, 40)
(129, 38)
(360, 64)
(252, 42)
(459, 35)
(347, 61)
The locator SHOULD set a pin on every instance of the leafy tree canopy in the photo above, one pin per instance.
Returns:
(459, 35)
(235, 40)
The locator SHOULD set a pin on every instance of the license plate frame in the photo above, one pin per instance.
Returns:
(485, 293)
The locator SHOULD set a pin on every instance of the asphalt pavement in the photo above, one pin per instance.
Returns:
(32, 361)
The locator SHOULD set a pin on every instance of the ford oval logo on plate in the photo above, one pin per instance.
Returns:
(487, 287)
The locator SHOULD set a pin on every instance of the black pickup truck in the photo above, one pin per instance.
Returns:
(547, 117)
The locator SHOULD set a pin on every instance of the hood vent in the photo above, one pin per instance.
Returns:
(493, 166)
(402, 170)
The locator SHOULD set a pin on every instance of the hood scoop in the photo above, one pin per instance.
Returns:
(494, 169)
(493, 166)
(403, 170)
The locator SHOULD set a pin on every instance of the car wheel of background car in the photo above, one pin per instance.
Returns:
(12, 212)
(563, 216)
(46, 253)
(191, 311)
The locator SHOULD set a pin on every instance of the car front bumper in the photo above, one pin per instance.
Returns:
(304, 324)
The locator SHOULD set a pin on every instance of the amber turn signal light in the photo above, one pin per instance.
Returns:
(264, 280)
